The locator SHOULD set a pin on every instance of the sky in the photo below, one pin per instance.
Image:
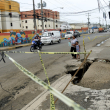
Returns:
(71, 6)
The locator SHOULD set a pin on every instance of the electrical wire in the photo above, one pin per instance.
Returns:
(105, 2)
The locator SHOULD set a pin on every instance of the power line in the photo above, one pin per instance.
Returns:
(81, 11)
(105, 2)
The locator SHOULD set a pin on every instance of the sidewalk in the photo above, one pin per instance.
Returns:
(15, 46)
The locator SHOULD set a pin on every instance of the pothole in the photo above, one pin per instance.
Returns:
(72, 70)
(94, 74)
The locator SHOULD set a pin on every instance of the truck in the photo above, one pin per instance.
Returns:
(50, 37)
(101, 29)
(69, 34)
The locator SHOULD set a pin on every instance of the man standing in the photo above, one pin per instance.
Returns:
(73, 46)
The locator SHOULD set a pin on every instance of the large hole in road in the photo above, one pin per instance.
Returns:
(80, 73)
(94, 74)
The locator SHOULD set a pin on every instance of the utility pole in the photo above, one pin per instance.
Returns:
(42, 17)
(88, 22)
(106, 20)
(99, 22)
(34, 14)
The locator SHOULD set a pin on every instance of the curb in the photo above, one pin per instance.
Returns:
(13, 47)
(36, 102)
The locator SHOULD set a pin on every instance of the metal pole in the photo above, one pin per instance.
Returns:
(99, 21)
(106, 23)
(34, 14)
(88, 22)
(42, 17)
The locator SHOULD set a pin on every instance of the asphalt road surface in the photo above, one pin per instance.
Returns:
(21, 90)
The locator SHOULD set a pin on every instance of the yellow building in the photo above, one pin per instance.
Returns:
(10, 16)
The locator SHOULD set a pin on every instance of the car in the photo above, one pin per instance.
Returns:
(76, 33)
(69, 34)
(51, 37)
(105, 30)
(108, 29)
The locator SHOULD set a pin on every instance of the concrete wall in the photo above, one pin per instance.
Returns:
(0, 24)
(6, 22)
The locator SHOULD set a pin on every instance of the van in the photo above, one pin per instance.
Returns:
(69, 34)
(51, 37)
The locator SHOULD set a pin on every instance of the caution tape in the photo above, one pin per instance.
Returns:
(52, 104)
(62, 97)
(47, 52)
(84, 48)
(89, 38)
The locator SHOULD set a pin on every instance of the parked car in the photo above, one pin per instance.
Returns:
(76, 33)
(108, 29)
(51, 37)
(69, 34)
(105, 30)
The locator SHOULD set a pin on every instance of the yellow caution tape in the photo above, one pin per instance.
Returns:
(84, 48)
(89, 38)
(47, 52)
(52, 104)
(59, 95)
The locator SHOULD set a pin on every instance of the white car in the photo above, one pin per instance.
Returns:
(51, 37)
(69, 34)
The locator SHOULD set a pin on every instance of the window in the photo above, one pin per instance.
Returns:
(10, 14)
(56, 26)
(11, 24)
(26, 27)
(48, 14)
(49, 25)
(22, 21)
(25, 15)
(9, 6)
(45, 26)
(49, 34)
(25, 21)
(20, 25)
(56, 21)
(23, 26)
(56, 15)
(41, 25)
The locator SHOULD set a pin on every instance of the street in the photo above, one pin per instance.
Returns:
(20, 86)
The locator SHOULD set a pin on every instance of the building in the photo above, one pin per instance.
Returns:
(10, 16)
(78, 25)
(51, 20)
(65, 26)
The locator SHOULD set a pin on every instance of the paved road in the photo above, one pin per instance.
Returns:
(12, 79)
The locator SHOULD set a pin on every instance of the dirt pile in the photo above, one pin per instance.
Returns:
(97, 76)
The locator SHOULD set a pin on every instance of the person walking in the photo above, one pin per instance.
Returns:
(73, 46)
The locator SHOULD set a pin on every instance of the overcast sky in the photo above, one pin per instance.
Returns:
(71, 6)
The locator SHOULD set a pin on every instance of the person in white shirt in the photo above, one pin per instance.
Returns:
(73, 46)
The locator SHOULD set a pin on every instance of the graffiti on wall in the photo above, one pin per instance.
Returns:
(22, 38)
(15, 39)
